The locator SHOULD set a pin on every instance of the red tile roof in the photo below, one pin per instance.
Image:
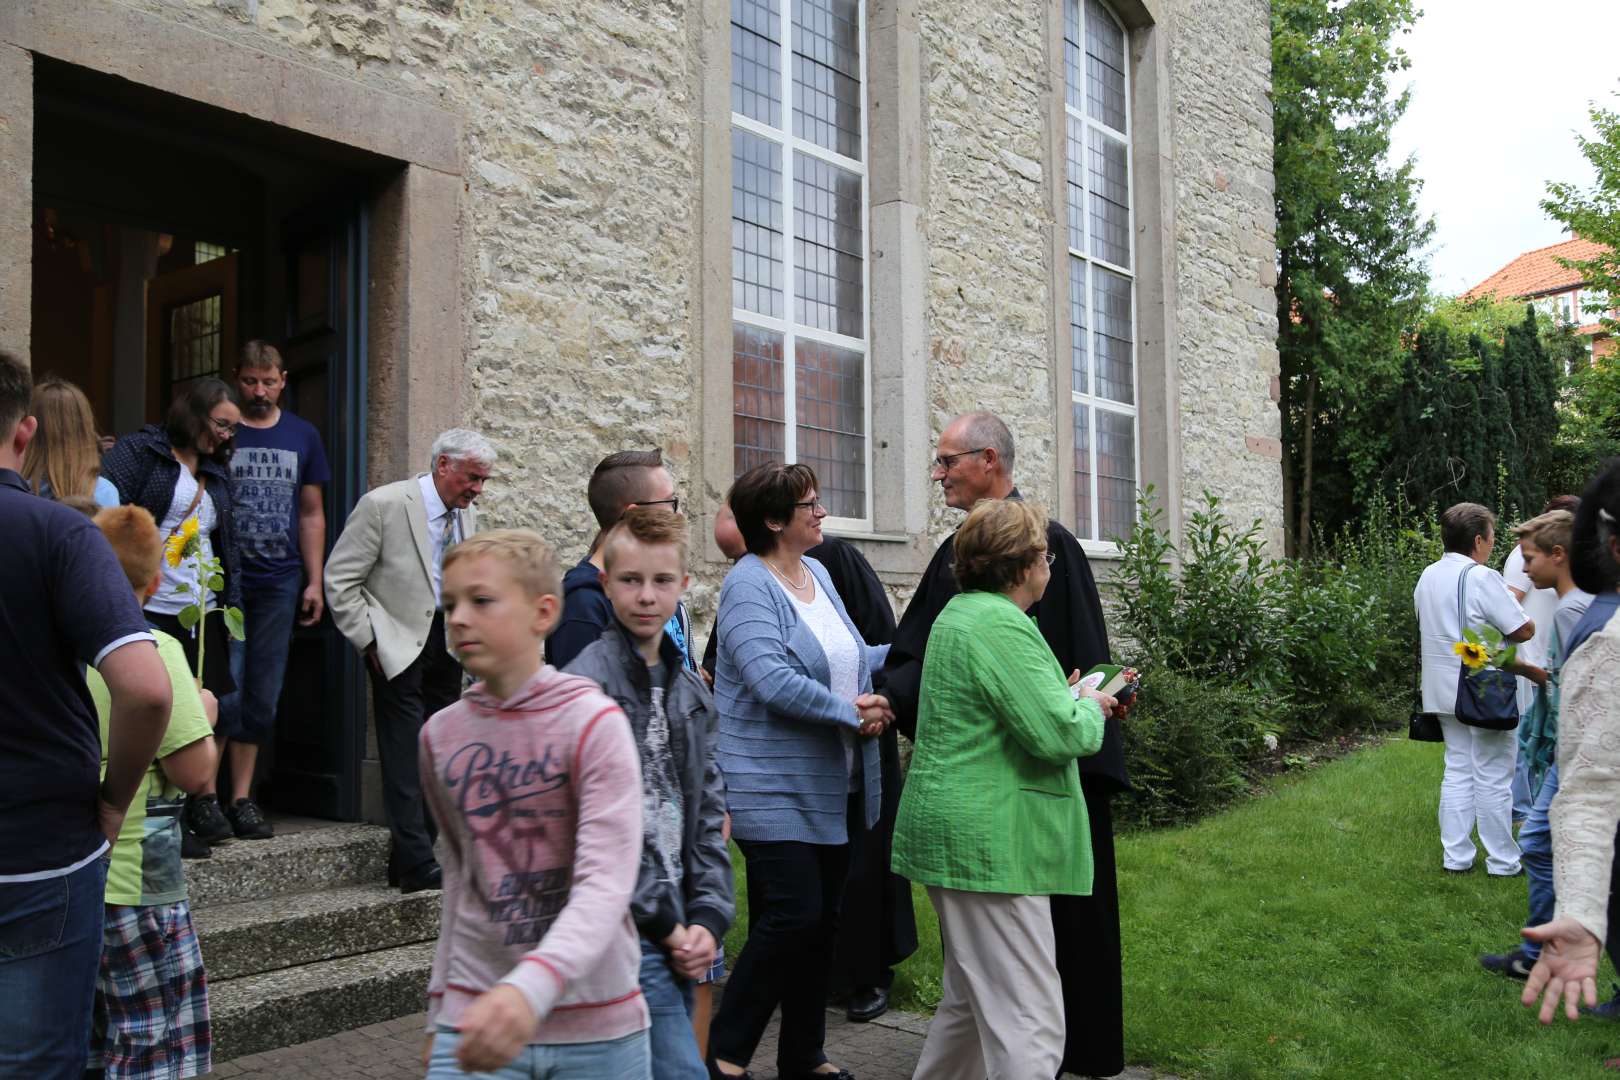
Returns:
(1538, 272)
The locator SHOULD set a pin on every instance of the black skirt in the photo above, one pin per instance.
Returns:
(216, 658)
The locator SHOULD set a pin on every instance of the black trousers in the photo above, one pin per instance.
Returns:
(794, 890)
(1086, 929)
(877, 928)
(402, 705)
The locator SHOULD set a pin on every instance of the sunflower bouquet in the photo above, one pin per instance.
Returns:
(209, 578)
(1481, 649)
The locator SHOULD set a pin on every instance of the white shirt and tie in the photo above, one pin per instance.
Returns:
(444, 529)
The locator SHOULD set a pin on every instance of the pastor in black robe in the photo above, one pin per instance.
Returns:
(877, 928)
(1070, 617)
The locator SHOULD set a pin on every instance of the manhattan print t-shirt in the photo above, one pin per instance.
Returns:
(268, 469)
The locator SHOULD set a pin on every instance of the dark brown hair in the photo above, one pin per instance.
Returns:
(1461, 524)
(997, 544)
(188, 415)
(16, 388)
(619, 480)
(764, 494)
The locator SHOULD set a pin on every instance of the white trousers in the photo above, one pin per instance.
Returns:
(1001, 1013)
(1477, 791)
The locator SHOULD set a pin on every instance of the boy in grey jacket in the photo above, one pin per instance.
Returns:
(683, 900)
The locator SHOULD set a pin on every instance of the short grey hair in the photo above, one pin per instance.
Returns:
(459, 444)
(987, 430)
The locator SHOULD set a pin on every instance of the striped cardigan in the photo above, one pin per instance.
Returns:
(780, 747)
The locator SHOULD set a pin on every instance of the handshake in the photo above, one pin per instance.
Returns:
(874, 712)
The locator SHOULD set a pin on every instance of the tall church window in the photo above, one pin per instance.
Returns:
(1101, 263)
(800, 371)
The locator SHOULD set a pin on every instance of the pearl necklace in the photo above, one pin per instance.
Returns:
(802, 585)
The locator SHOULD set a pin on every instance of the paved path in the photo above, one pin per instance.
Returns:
(886, 1049)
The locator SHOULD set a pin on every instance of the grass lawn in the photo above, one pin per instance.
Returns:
(1312, 933)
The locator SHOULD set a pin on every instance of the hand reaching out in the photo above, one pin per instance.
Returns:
(1567, 968)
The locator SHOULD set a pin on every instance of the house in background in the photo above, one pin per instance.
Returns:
(1555, 289)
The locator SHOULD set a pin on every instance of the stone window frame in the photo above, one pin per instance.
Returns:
(1158, 443)
(895, 540)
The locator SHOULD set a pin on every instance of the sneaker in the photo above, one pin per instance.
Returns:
(204, 817)
(1515, 964)
(192, 846)
(1605, 1010)
(248, 821)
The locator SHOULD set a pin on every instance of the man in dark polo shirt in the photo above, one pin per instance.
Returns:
(64, 603)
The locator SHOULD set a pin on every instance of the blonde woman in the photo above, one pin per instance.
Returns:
(64, 458)
(992, 820)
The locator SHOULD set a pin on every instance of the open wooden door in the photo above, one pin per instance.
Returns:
(321, 724)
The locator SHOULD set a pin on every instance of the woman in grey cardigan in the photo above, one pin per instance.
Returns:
(793, 684)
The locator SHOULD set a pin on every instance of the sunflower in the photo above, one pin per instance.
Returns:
(188, 528)
(1475, 656)
(174, 549)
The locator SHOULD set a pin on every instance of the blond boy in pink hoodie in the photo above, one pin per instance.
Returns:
(534, 779)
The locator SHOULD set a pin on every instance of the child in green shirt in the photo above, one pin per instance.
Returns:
(151, 1009)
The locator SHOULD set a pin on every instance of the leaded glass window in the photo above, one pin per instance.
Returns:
(800, 370)
(1102, 286)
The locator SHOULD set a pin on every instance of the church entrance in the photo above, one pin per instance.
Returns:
(166, 233)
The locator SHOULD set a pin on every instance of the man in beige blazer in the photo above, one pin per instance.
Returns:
(382, 588)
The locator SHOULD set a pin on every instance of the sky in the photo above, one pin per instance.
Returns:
(1499, 90)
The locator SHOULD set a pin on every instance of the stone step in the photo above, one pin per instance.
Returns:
(307, 860)
(280, 1008)
(285, 931)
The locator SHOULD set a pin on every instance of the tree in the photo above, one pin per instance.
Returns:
(1350, 273)
(1594, 213)
(1590, 430)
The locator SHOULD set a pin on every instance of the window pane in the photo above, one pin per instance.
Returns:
(1110, 200)
(827, 248)
(1079, 368)
(1082, 472)
(756, 57)
(827, 73)
(1076, 178)
(1071, 55)
(1111, 308)
(1105, 67)
(1116, 474)
(757, 280)
(830, 402)
(756, 395)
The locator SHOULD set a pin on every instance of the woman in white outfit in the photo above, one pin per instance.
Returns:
(1477, 789)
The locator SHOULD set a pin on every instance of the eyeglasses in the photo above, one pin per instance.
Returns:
(674, 503)
(225, 428)
(945, 461)
(812, 504)
(1050, 556)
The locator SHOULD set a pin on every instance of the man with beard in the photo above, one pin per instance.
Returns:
(974, 461)
(276, 477)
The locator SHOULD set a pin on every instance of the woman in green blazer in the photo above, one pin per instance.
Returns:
(992, 820)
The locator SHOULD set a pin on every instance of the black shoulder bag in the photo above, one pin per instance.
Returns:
(1487, 698)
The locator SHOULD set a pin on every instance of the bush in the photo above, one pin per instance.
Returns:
(1238, 646)
(1187, 746)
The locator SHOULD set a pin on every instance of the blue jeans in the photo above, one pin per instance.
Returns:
(1521, 778)
(622, 1059)
(50, 954)
(669, 1001)
(1535, 847)
(259, 664)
